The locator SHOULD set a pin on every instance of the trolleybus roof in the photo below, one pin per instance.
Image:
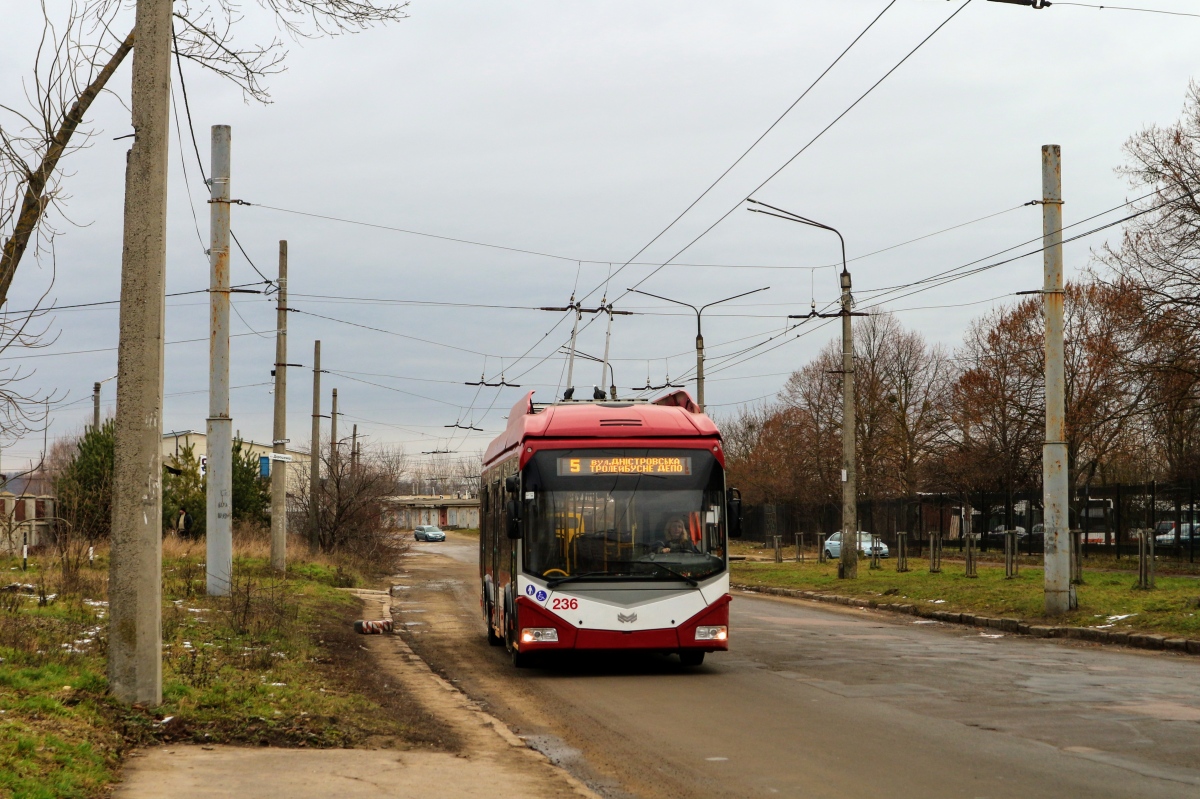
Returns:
(674, 415)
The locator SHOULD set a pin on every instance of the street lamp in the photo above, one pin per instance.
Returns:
(699, 335)
(789, 216)
(848, 567)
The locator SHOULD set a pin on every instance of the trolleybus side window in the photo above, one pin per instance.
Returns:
(607, 514)
(485, 527)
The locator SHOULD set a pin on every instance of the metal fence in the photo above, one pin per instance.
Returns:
(1108, 518)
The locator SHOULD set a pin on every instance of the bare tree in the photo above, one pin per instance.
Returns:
(918, 379)
(79, 51)
(1160, 250)
(999, 400)
(1106, 330)
(350, 507)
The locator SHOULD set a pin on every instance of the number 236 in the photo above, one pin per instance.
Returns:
(562, 603)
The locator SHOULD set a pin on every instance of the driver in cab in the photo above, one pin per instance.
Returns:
(675, 538)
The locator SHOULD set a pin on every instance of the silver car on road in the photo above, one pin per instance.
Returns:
(428, 532)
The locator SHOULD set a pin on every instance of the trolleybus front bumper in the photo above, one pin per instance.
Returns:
(566, 636)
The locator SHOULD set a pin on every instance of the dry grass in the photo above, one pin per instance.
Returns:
(1107, 599)
(268, 664)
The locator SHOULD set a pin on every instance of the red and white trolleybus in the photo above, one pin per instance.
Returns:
(604, 526)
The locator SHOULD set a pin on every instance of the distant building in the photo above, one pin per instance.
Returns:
(26, 513)
(449, 513)
(174, 442)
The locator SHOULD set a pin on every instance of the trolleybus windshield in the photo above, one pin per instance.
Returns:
(624, 514)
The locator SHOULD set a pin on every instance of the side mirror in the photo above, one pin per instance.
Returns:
(512, 484)
(734, 513)
(512, 510)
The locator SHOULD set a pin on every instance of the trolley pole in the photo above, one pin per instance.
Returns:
(604, 306)
(314, 454)
(569, 391)
(849, 560)
(280, 441)
(219, 493)
(135, 570)
(1059, 596)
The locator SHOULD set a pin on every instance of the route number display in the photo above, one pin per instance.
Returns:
(586, 467)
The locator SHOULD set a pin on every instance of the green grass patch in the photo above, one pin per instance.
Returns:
(274, 663)
(1106, 599)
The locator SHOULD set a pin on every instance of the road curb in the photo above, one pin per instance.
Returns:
(1154, 641)
(384, 607)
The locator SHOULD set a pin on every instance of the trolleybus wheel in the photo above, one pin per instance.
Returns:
(493, 639)
(690, 657)
(521, 660)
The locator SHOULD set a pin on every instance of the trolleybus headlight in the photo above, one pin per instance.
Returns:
(542, 635)
(715, 633)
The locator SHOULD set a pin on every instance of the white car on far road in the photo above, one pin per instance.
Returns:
(833, 545)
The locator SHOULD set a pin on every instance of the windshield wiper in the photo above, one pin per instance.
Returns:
(557, 581)
(689, 580)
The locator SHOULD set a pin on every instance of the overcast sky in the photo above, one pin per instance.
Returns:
(580, 130)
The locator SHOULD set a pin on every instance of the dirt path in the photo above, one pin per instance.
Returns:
(490, 762)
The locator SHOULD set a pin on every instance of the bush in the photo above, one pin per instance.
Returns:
(183, 489)
(251, 492)
(84, 484)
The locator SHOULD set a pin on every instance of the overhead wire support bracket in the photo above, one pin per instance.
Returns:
(811, 314)
(1038, 4)
(482, 381)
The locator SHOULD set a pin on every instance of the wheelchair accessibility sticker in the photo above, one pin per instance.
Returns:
(539, 594)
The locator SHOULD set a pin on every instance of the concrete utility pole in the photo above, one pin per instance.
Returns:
(848, 567)
(96, 406)
(219, 493)
(135, 570)
(280, 441)
(1059, 593)
(314, 454)
(849, 559)
(354, 450)
(333, 439)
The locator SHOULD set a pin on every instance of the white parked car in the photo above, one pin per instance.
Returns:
(1166, 534)
(833, 545)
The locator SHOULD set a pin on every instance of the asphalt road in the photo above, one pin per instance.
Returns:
(814, 701)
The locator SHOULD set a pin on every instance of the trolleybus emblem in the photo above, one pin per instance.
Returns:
(630, 619)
